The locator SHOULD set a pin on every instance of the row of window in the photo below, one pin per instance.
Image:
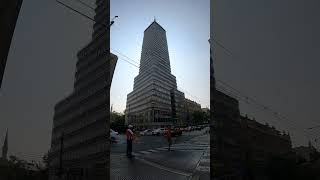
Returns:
(84, 135)
(78, 97)
(91, 97)
(99, 43)
(79, 153)
(79, 123)
(81, 110)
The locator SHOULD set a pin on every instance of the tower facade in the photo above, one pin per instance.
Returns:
(5, 147)
(155, 100)
(80, 137)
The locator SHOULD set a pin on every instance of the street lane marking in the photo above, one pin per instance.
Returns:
(153, 150)
(203, 168)
(165, 168)
(145, 152)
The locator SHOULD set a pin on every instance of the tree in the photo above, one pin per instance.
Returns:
(199, 117)
(118, 121)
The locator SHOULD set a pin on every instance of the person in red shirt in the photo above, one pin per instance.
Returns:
(130, 137)
(169, 137)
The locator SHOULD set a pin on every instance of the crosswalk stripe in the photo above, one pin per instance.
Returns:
(136, 154)
(178, 147)
(145, 152)
(153, 150)
(204, 161)
(203, 168)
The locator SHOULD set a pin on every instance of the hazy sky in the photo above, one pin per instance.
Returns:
(187, 25)
(275, 46)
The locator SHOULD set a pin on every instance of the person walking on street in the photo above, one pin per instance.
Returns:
(169, 137)
(130, 137)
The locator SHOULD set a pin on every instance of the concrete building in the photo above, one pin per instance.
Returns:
(305, 152)
(189, 108)
(260, 143)
(9, 10)
(243, 144)
(155, 100)
(228, 153)
(80, 138)
(5, 147)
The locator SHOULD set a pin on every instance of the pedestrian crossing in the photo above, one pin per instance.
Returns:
(201, 147)
(204, 163)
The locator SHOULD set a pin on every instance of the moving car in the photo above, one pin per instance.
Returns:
(146, 132)
(159, 131)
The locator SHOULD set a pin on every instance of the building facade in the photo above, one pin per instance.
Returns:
(228, 152)
(243, 145)
(80, 138)
(155, 100)
(189, 108)
(262, 142)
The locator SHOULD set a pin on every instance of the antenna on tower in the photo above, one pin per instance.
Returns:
(154, 19)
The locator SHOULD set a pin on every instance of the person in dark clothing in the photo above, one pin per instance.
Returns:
(169, 137)
(130, 137)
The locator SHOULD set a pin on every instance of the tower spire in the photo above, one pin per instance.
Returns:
(154, 19)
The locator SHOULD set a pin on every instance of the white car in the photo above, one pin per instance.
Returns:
(146, 132)
(113, 135)
(159, 131)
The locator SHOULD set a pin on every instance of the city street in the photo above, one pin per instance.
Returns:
(188, 158)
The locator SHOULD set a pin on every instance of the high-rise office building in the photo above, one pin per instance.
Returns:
(9, 12)
(80, 137)
(155, 100)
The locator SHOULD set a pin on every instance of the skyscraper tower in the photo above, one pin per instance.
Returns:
(5, 147)
(80, 137)
(155, 100)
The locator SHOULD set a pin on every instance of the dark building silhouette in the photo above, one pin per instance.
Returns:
(228, 154)
(262, 142)
(80, 146)
(243, 146)
(5, 147)
(9, 12)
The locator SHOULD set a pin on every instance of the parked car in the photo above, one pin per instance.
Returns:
(146, 132)
(158, 131)
(189, 128)
(114, 136)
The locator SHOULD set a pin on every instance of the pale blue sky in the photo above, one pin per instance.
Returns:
(188, 28)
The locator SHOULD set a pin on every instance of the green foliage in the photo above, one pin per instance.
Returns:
(117, 122)
(199, 117)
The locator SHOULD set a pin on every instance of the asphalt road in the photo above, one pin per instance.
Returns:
(188, 159)
(149, 142)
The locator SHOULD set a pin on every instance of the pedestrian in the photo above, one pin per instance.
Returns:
(169, 137)
(130, 137)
